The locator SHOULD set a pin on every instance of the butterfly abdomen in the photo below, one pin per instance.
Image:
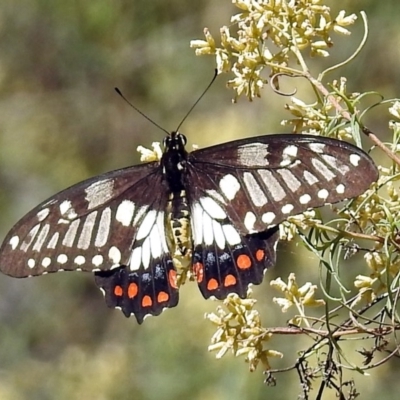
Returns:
(179, 220)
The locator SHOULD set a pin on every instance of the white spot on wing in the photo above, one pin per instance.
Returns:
(291, 150)
(87, 230)
(317, 147)
(97, 260)
(305, 198)
(62, 259)
(231, 235)
(256, 193)
(43, 214)
(31, 263)
(287, 208)
(212, 208)
(161, 228)
(155, 240)
(103, 228)
(67, 210)
(30, 237)
(253, 154)
(249, 221)
(14, 242)
(41, 237)
(355, 159)
(216, 196)
(114, 255)
(197, 227)
(69, 237)
(323, 194)
(136, 259)
(274, 187)
(125, 212)
(310, 178)
(65, 206)
(207, 229)
(79, 260)
(322, 169)
(46, 262)
(291, 181)
(293, 165)
(340, 188)
(268, 217)
(288, 155)
(229, 186)
(218, 235)
(139, 214)
(146, 253)
(53, 241)
(99, 193)
(334, 163)
(146, 225)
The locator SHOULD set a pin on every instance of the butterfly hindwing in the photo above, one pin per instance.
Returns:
(141, 292)
(224, 260)
(230, 265)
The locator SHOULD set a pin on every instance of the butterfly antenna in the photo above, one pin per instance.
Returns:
(197, 101)
(142, 113)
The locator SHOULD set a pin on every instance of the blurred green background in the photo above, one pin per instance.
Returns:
(62, 122)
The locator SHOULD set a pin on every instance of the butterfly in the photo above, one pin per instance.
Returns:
(216, 209)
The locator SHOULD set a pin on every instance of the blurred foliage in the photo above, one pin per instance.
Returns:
(61, 122)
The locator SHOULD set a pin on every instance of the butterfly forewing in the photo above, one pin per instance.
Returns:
(90, 226)
(259, 182)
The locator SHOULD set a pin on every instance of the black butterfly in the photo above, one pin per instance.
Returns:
(216, 208)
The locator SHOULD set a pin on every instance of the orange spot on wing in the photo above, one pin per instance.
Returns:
(229, 280)
(260, 253)
(132, 290)
(118, 291)
(212, 284)
(243, 261)
(172, 279)
(147, 302)
(162, 297)
(198, 270)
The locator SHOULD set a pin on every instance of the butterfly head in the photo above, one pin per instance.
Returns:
(175, 142)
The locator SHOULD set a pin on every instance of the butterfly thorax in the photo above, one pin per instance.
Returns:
(173, 163)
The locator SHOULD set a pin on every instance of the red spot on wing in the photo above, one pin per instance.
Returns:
(212, 284)
(132, 290)
(198, 270)
(146, 301)
(243, 261)
(260, 253)
(172, 279)
(230, 280)
(162, 297)
(118, 291)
